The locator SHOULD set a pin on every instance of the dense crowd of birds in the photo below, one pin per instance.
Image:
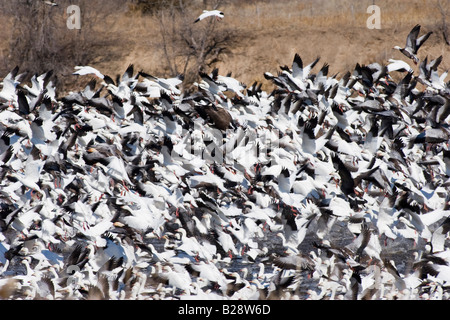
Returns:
(133, 188)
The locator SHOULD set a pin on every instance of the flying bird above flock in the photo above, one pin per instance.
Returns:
(134, 188)
(219, 15)
(86, 70)
(413, 43)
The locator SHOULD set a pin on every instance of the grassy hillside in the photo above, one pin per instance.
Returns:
(269, 33)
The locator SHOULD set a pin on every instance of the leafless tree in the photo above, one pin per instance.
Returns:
(190, 47)
(41, 41)
(148, 6)
(444, 9)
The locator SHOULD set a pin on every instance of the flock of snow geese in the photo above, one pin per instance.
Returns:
(133, 188)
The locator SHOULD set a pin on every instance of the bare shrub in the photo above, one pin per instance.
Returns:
(189, 47)
(444, 10)
(149, 6)
(40, 40)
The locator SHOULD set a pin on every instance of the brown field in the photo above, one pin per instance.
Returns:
(271, 32)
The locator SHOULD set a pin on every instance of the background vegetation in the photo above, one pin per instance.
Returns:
(159, 36)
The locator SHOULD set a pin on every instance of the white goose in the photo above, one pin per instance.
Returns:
(177, 277)
(169, 85)
(9, 85)
(210, 13)
(38, 83)
(87, 70)
(413, 43)
(232, 84)
(398, 65)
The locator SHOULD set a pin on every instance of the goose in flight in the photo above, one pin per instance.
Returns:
(299, 262)
(50, 3)
(9, 85)
(413, 43)
(298, 75)
(398, 65)
(169, 85)
(85, 70)
(206, 13)
(300, 72)
(231, 84)
(429, 75)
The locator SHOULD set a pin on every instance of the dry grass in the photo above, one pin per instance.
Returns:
(334, 30)
(275, 30)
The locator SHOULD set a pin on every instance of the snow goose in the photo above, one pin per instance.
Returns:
(30, 178)
(210, 13)
(94, 233)
(398, 65)
(399, 281)
(116, 170)
(195, 249)
(427, 264)
(413, 43)
(169, 85)
(386, 218)
(232, 84)
(226, 242)
(427, 69)
(197, 181)
(291, 240)
(429, 136)
(279, 284)
(298, 71)
(440, 236)
(174, 276)
(285, 82)
(347, 183)
(299, 262)
(210, 273)
(29, 281)
(9, 85)
(50, 3)
(48, 233)
(38, 83)
(366, 243)
(177, 277)
(78, 257)
(211, 86)
(16, 128)
(86, 70)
